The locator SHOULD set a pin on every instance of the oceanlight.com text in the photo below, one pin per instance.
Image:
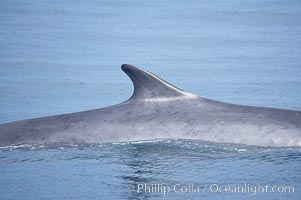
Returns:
(251, 189)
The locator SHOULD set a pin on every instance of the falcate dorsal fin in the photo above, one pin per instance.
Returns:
(149, 87)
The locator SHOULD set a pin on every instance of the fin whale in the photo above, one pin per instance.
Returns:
(159, 110)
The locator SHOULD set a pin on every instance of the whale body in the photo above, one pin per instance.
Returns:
(159, 110)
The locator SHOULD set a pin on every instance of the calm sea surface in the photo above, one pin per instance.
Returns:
(64, 56)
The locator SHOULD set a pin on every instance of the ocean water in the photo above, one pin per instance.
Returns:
(121, 171)
(64, 56)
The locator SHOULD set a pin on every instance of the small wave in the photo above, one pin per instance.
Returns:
(179, 144)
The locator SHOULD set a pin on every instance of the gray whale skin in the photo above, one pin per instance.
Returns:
(159, 110)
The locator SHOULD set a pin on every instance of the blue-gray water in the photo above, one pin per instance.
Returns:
(114, 171)
(65, 56)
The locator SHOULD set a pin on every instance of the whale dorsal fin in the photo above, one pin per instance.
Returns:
(149, 87)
